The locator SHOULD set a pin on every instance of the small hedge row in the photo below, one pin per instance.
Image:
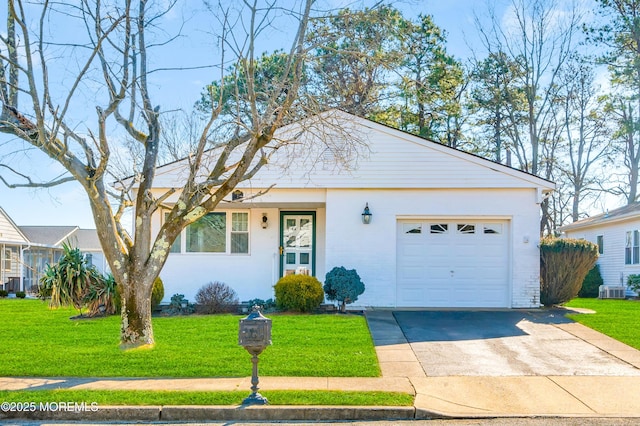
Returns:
(303, 293)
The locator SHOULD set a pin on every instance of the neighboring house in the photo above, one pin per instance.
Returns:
(12, 245)
(26, 251)
(448, 228)
(617, 234)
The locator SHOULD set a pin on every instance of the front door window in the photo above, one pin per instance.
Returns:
(297, 243)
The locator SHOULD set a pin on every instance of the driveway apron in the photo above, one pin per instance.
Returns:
(503, 343)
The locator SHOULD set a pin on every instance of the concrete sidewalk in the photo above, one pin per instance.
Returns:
(435, 397)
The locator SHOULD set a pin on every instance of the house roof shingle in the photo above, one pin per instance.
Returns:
(48, 235)
(85, 240)
(626, 212)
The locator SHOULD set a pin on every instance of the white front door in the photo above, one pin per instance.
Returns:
(297, 243)
(453, 263)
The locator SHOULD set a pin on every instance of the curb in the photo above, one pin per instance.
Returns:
(224, 413)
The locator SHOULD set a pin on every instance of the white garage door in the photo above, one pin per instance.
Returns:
(453, 263)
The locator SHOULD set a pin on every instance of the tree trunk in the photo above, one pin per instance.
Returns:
(533, 136)
(575, 211)
(136, 329)
(633, 184)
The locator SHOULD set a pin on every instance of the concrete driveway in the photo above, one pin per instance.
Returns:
(504, 343)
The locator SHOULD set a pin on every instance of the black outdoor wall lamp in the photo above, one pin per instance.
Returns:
(366, 215)
(265, 222)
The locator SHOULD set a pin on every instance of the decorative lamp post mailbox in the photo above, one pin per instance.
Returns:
(255, 336)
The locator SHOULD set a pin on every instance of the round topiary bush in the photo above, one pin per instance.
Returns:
(343, 285)
(216, 298)
(301, 293)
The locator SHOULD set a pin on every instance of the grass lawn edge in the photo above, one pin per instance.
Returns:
(96, 398)
(613, 317)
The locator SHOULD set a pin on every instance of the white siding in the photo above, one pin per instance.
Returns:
(8, 231)
(250, 275)
(371, 249)
(343, 240)
(435, 181)
(611, 261)
(385, 158)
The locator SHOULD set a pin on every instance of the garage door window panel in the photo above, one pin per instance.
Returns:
(466, 228)
(412, 228)
(439, 228)
(492, 229)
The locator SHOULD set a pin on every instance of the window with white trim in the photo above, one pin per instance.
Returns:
(600, 243)
(239, 232)
(632, 248)
(215, 232)
(208, 234)
(8, 256)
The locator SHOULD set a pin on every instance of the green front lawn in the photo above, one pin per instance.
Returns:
(37, 341)
(615, 318)
(122, 397)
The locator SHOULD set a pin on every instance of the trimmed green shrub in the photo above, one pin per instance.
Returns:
(302, 293)
(592, 282)
(4, 293)
(176, 305)
(343, 285)
(157, 293)
(268, 305)
(564, 263)
(21, 294)
(216, 298)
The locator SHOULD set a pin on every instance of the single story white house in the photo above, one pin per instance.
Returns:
(447, 228)
(617, 234)
(25, 251)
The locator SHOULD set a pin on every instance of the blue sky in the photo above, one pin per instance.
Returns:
(67, 205)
